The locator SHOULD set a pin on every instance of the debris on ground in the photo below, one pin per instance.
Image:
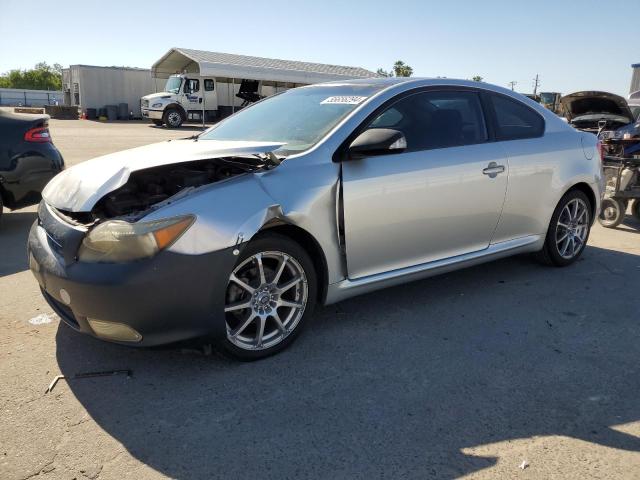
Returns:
(524, 465)
(42, 319)
(78, 376)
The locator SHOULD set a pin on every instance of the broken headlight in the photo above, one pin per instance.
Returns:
(117, 241)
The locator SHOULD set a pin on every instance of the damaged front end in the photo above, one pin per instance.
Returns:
(118, 233)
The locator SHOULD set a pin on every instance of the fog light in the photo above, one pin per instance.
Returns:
(114, 331)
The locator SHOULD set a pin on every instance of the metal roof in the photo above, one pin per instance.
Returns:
(230, 65)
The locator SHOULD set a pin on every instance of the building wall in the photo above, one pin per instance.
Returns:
(635, 78)
(95, 87)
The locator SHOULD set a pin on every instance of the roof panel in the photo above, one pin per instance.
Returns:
(218, 63)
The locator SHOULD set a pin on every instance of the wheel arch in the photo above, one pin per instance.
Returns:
(307, 241)
(588, 191)
(178, 107)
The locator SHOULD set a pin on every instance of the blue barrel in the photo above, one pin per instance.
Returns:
(123, 111)
(112, 112)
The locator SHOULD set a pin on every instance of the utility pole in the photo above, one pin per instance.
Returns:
(536, 84)
(512, 84)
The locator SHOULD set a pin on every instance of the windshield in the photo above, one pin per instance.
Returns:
(173, 85)
(547, 97)
(299, 117)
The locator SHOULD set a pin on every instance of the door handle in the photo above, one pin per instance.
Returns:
(493, 169)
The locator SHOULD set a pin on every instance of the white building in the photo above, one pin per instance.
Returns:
(229, 70)
(89, 86)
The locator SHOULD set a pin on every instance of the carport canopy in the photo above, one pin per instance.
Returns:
(227, 65)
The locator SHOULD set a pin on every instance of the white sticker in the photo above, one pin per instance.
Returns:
(344, 100)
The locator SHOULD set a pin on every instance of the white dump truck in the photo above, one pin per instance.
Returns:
(209, 86)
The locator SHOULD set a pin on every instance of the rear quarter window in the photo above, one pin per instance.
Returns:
(515, 120)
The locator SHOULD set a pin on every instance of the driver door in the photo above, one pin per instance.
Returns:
(434, 200)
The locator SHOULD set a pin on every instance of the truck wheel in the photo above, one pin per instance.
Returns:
(611, 213)
(158, 123)
(172, 118)
(635, 208)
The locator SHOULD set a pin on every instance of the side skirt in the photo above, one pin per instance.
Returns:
(350, 288)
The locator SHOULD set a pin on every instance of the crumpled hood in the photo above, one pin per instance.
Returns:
(585, 103)
(79, 188)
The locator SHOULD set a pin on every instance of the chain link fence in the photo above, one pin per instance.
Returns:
(10, 97)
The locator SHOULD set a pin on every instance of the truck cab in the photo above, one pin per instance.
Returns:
(551, 100)
(185, 97)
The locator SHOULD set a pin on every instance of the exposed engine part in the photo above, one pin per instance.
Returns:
(146, 188)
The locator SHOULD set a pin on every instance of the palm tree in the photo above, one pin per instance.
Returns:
(402, 70)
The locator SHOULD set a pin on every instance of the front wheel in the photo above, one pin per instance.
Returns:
(568, 230)
(271, 293)
(612, 212)
(172, 118)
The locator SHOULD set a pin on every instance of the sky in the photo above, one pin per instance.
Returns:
(571, 45)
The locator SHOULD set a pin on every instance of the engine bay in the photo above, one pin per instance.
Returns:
(147, 188)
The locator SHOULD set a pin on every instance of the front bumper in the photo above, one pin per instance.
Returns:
(168, 298)
(152, 114)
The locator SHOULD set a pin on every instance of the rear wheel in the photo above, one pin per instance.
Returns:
(568, 230)
(158, 123)
(635, 208)
(270, 295)
(611, 213)
(172, 118)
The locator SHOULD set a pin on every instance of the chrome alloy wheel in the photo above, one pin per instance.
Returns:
(174, 119)
(572, 228)
(265, 300)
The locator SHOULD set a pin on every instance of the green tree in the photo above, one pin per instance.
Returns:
(400, 69)
(41, 77)
(384, 73)
(477, 78)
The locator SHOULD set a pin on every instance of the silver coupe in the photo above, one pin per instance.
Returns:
(310, 196)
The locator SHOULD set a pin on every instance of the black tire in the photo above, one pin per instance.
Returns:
(1, 205)
(274, 242)
(550, 253)
(611, 212)
(158, 123)
(172, 118)
(635, 208)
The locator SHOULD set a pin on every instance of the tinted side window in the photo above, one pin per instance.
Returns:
(515, 120)
(436, 119)
(208, 85)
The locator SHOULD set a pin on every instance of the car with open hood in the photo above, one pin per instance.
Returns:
(592, 111)
(309, 197)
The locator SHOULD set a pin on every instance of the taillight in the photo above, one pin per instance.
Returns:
(38, 135)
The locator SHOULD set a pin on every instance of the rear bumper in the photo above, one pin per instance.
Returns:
(30, 172)
(167, 298)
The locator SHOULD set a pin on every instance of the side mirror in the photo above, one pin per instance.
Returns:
(377, 141)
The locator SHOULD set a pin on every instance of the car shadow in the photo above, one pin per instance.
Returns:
(14, 232)
(396, 383)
